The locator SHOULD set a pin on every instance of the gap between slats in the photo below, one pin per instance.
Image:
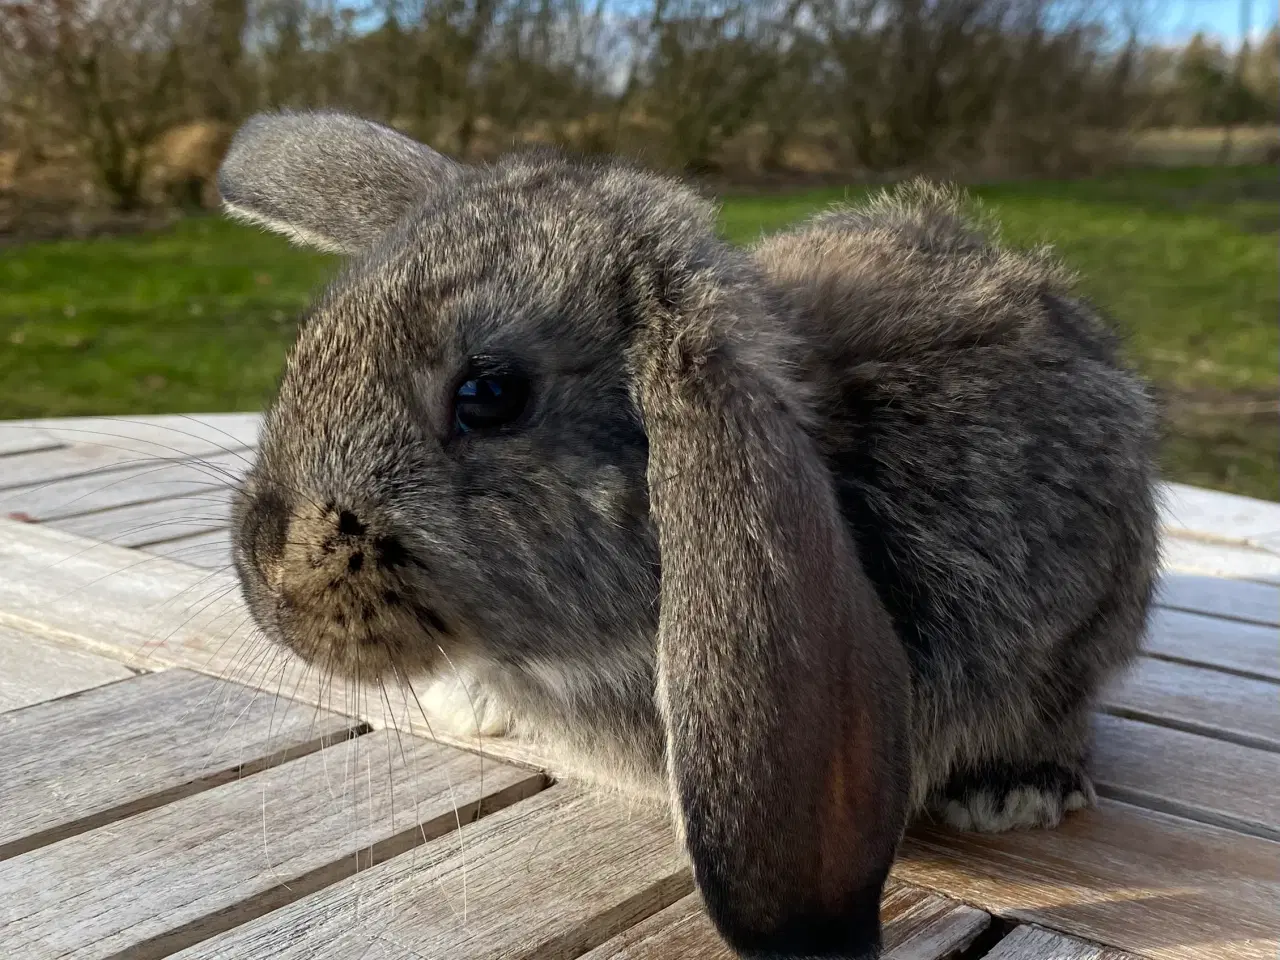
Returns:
(1208, 731)
(1213, 818)
(1217, 667)
(34, 448)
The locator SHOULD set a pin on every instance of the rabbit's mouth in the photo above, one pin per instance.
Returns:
(364, 642)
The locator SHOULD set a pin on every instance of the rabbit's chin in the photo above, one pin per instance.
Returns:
(463, 707)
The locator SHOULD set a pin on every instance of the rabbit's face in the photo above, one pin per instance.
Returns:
(455, 466)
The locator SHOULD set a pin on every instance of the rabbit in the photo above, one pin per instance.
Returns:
(799, 542)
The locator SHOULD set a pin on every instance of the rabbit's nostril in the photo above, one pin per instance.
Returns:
(349, 524)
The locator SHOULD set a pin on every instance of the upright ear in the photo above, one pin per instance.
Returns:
(782, 684)
(326, 180)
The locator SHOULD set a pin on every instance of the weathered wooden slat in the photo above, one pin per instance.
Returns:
(1205, 779)
(1029, 942)
(210, 550)
(917, 926)
(149, 611)
(146, 523)
(1200, 700)
(1156, 885)
(98, 443)
(1221, 559)
(171, 877)
(156, 429)
(34, 669)
(1247, 648)
(1219, 515)
(1220, 597)
(137, 483)
(550, 877)
(109, 752)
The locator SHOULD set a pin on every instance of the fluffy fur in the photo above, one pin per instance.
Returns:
(801, 538)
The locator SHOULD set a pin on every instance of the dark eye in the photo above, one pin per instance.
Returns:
(490, 400)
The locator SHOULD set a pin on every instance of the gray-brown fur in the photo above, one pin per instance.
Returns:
(757, 497)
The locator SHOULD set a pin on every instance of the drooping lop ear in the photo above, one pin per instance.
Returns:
(326, 180)
(781, 681)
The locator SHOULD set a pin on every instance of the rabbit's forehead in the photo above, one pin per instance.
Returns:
(539, 269)
(436, 307)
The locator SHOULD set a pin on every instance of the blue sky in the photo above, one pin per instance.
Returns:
(1179, 19)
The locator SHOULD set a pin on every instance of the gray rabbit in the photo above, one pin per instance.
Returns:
(802, 540)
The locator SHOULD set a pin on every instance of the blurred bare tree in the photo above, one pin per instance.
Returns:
(698, 85)
(101, 77)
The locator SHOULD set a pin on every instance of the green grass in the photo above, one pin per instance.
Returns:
(197, 318)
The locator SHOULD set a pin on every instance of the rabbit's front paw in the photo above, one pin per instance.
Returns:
(465, 708)
(1008, 796)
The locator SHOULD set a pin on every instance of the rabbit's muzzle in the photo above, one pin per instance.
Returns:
(346, 594)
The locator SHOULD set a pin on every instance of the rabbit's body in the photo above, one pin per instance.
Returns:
(993, 460)
(855, 523)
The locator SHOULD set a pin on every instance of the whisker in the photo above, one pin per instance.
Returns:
(453, 799)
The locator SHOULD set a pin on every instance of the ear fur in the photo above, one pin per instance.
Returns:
(326, 180)
(782, 684)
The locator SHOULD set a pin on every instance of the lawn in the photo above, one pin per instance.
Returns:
(197, 318)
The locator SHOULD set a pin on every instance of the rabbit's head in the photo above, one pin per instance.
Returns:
(547, 417)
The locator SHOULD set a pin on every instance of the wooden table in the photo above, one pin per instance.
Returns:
(152, 807)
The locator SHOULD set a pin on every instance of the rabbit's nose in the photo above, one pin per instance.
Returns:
(343, 543)
(345, 587)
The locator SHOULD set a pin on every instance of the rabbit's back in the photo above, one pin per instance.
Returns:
(994, 460)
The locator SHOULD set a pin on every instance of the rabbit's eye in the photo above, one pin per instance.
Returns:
(491, 400)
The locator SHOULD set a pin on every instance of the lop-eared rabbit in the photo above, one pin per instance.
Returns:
(799, 540)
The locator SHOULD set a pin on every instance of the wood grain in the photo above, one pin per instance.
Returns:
(1226, 516)
(210, 550)
(1200, 700)
(1035, 943)
(34, 669)
(146, 523)
(98, 443)
(1247, 648)
(146, 610)
(550, 877)
(1153, 884)
(917, 926)
(1205, 779)
(1220, 597)
(141, 482)
(174, 876)
(107, 753)
(1212, 558)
